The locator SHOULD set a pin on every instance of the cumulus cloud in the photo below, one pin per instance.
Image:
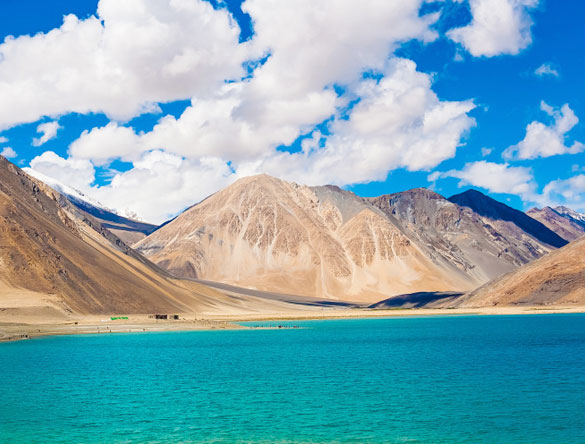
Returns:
(519, 181)
(399, 122)
(101, 145)
(497, 27)
(77, 173)
(8, 152)
(134, 54)
(546, 70)
(313, 55)
(569, 192)
(494, 177)
(3, 139)
(47, 131)
(547, 140)
(156, 188)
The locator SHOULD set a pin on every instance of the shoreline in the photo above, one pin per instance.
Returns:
(15, 331)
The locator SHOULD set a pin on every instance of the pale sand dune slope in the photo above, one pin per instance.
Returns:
(555, 279)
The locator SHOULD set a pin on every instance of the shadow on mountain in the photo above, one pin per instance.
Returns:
(281, 297)
(427, 299)
(488, 207)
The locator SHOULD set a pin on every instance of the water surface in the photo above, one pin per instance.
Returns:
(464, 379)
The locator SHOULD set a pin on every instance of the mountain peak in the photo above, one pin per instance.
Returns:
(492, 209)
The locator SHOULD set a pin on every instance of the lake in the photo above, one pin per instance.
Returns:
(450, 379)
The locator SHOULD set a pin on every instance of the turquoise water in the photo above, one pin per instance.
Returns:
(488, 379)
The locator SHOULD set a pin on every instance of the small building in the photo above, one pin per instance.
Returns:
(173, 317)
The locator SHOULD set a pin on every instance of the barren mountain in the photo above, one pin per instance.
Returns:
(506, 219)
(56, 260)
(273, 235)
(483, 247)
(557, 278)
(569, 228)
(269, 234)
(127, 229)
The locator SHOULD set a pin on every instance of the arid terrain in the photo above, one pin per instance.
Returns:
(268, 249)
(272, 235)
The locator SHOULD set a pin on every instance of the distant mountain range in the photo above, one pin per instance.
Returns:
(268, 234)
(286, 244)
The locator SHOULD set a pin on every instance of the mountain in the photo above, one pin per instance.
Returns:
(480, 246)
(324, 242)
(573, 215)
(557, 278)
(506, 218)
(57, 261)
(567, 223)
(127, 229)
(273, 235)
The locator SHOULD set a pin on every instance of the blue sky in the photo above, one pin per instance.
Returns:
(495, 88)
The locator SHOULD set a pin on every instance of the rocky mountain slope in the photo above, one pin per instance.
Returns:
(557, 278)
(324, 242)
(56, 260)
(127, 229)
(567, 223)
(481, 246)
(507, 219)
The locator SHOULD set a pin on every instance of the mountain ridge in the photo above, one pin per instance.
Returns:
(493, 209)
(322, 241)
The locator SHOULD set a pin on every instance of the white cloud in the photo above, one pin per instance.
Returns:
(157, 187)
(398, 122)
(569, 192)
(486, 151)
(519, 181)
(3, 139)
(77, 173)
(332, 43)
(48, 131)
(134, 54)
(547, 140)
(8, 152)
(494, 177)
(497, 27)
(545, 70)
(106, 143)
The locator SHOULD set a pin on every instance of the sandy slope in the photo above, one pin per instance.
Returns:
(555, 279)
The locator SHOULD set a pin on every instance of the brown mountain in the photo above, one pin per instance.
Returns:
(560, 221)
(273, 235)
(57, 260)
(269, 234)
(128, 230)
(482, 247)
(557, 278)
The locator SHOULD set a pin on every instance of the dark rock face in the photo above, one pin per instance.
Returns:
(492, 209)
